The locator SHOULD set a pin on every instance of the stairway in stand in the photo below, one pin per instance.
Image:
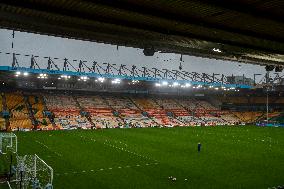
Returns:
(7, 122)
(46, 110)
(31, 114)
(109, 105)
(82, 109)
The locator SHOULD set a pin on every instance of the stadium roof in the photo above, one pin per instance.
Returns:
(250, 31)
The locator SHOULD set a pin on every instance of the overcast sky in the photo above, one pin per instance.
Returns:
(41, 45)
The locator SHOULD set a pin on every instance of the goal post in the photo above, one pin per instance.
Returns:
(32, 171)
(8, 142)
(29, 171)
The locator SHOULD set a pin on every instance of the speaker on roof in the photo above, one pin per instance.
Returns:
(149, 51)
(279, 68)
(269, 68)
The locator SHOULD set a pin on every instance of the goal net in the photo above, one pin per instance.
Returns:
(8, 142)
(33, 172)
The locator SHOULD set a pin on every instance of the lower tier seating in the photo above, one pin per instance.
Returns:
(115, 111)
(71, 121)
(2, 124)
(20, 124)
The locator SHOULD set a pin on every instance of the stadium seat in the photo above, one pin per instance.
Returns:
(66, 112)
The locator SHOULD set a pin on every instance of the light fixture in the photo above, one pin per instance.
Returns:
(175, 84)
(25, 73)
(187, 85)
(101, 79)
(65, 76)
(216, 50)
(134, 81)
(157, 84)
(165, 83)
(116, 81)
(42, 76)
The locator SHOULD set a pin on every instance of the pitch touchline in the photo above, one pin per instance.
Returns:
(58, 154)
(106, 169)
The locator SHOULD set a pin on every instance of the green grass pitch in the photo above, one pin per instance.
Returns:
(231, 157)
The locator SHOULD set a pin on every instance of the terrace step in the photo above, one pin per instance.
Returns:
(82, 109)
(31, 113)
(46, 109)
(4, 103)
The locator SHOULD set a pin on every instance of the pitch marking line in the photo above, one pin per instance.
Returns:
(107, 143)
(122, 149)
(101, 169)
(58, 154)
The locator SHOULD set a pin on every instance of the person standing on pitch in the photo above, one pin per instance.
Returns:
(199, 147)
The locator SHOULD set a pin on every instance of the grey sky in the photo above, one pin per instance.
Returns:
(41, 45)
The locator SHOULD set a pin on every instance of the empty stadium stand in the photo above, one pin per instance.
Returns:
(37, 105)
(19, 115)
(66, 112)
(28, 111)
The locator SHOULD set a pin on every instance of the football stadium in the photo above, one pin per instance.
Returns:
(141, 94)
